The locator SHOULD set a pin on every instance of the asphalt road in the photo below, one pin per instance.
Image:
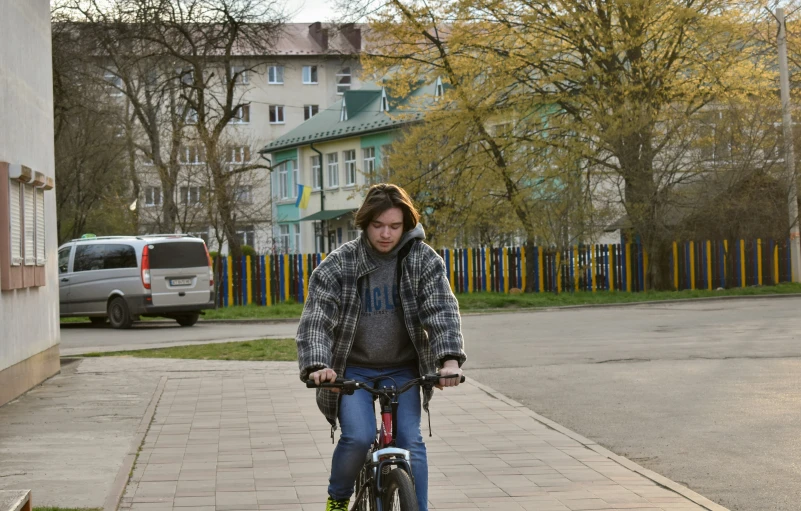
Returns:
(704, 393)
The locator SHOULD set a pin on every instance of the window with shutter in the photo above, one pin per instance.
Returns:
(40, 227)
(29, 221)
(15, 204)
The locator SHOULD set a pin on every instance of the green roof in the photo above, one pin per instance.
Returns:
(364, 116)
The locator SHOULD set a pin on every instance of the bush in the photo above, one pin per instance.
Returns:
(214, 255)
(247, 250)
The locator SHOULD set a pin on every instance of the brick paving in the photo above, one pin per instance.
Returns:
(249, 437)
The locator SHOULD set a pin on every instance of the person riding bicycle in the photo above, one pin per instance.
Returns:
(379, 309)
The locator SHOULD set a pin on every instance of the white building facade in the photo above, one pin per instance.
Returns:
(29, 293)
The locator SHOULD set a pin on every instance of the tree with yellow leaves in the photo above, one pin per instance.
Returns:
(603, 90)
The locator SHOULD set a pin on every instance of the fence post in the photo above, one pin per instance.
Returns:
(775, 252)
(643, 268)
(759, 260)
(540, 268)
(675, 266)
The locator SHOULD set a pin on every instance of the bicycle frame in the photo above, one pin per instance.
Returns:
(384, 454)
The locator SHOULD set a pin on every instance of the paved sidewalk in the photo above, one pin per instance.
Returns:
(248, 436)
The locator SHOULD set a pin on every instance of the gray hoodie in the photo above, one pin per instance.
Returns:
(381, 337)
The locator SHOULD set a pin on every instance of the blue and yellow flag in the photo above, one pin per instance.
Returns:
(304, 194)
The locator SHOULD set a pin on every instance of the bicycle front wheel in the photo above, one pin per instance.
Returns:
(364, 492)
(400, 494)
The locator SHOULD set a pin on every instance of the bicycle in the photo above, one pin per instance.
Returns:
(385, 481)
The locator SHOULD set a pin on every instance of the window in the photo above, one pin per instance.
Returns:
(186, 75)
(15, 196)
(439, 90)
(29, 224)
(350, 167)
(40, 227)
(119, 256)
(22, 263)
(177, 254)
(241, 115)
(152, 196)
(275, 75)
(88, 258)
(310, 111)
(296, 245)
(333, 170)
(310, 75)
(239, 74)
(239, 154)
(192, 195)
(315, 169)
(97, 256)
(114, 82)
(283, 237)
(246, 235)
(343, 80)
(64, 259)
(283, 181)
(318, 240)
(343, 112)
(384, 170)
(244, 194)
(353, 233)
(369, 164)
(276, 114)
(295, 178)
(192, 155)
(384, 101)
(191, 116)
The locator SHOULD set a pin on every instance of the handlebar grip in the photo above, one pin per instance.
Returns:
(336, 383)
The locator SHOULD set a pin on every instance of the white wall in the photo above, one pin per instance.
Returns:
(28, 317)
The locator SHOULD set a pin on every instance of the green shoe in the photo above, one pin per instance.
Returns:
(337, 505)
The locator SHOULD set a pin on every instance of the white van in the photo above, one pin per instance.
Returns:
(124, 277)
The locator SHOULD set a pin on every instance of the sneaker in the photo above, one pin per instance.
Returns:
(337, 505)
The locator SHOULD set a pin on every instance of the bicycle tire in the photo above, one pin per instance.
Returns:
(399, 494)
(367, 500)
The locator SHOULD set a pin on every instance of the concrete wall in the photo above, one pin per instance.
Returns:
(29, 324)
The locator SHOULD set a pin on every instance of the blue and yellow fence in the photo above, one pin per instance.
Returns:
(270, 279)
(738, 263)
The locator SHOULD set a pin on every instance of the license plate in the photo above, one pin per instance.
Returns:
(180, 282)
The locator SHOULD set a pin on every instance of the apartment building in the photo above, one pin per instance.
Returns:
(338, 154)
(308, 70)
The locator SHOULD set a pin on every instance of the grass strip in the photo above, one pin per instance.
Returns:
(257, 350)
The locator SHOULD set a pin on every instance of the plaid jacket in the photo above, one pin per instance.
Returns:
(328, 324)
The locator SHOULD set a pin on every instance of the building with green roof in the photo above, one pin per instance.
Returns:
(338, 154)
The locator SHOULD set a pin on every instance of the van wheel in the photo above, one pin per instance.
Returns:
(188, 320)
(118, 314)
(97, 320)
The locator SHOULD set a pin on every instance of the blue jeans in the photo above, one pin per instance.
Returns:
(358, 422)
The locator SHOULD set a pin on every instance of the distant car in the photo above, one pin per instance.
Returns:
(124, 277)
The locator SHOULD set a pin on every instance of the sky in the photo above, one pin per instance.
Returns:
(310, 11)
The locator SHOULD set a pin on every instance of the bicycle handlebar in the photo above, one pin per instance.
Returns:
(428, 380)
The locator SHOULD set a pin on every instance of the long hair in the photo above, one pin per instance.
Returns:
(382, 197)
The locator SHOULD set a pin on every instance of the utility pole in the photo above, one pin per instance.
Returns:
(789, 154)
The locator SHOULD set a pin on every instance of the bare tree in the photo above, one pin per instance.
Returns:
(182, 67)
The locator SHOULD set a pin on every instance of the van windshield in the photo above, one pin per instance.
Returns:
(177, 254)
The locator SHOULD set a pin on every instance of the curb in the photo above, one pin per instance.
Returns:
(124, 473)
(620, 460)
